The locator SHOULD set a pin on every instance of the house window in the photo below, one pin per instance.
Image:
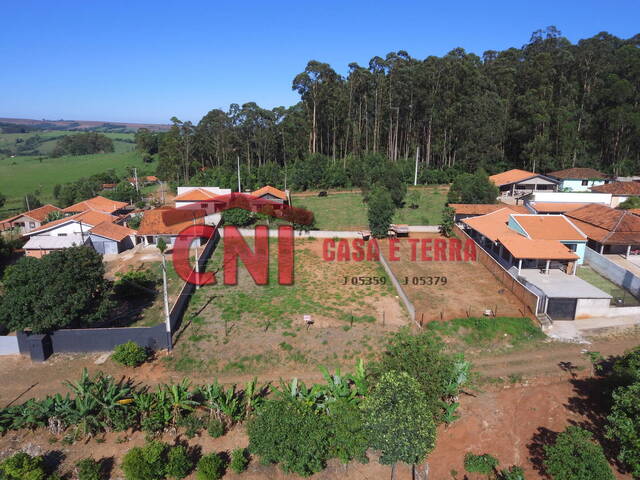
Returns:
(62, 234)
(32, 224)
(585, 183)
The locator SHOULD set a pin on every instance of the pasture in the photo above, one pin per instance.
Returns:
(45, 141)
(22, 175)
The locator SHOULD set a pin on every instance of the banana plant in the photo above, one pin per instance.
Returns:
(313, 397)
(359, 379)
(180, 398)
(449, 412)
(338, 387)
(459, 378)
(253, 396)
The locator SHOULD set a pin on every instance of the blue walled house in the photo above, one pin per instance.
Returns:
(578, 179)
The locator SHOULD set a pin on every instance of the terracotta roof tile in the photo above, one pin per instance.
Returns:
(89, 217)
(195, 195)
(270, 190)
(549, 227)
(483, 209)
(607, 225)
(618, 188)
(112, 231)
(169, 221)
(556, 207)
(99, 203)
(38, 214)
(522, 247)
(511, 176)
(578, 174)
(491, 225)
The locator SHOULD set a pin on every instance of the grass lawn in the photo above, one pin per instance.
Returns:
(347, 211)
(486, 331)
(588, 274)
(22, 175)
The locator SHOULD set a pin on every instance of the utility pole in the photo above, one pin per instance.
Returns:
(135, 177)
(26, 199)
(415, 175)
(238, 158)
(162, 246)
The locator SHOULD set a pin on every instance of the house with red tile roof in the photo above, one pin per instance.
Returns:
(579, 179)
(543, 253)
(469, 210)
(167, 223)
(111, 238)
(516, 183)
(271, 193)
(620, 191)
(529, 241)
(30, 220)
(97, 203)
(198, 195)
(609, 230)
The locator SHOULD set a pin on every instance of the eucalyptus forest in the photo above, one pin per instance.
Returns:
(548, 105)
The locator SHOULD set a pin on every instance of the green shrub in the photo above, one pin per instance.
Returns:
(512, 473)
(210, 467)
(484, 464)
(291, 434)
(153, 424)
(239, 460)
(88, 469)
(191, 424)
(575, 456)
(238, 217)
(22, 466)
(215, 428)
(623, 425)
(145, 463)
(179, 464)
(348, 438)
(130, 354)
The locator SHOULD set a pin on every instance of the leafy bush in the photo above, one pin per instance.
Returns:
(145, 463)
(380, 210)
(22, 466)
(130, 354)
(179, 464)
(421, 357)
(239, 460)
(88, 469)
(215, 428)
(512, 473)
(624, 425)
(348, 439)
(289, 433)
(398, 420)
(626, 370)
(484, 464)
(135, 283)
(191, 424)
(575, 456)
(210, 467)
(238, 217)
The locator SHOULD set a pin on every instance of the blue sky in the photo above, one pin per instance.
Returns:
(142, 61)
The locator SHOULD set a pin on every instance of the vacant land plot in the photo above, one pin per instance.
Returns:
(463, 289)
(347, 211)
(22, 175)
(252, 329)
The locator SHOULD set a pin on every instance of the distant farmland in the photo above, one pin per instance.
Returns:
(26, 174)
(45, 141)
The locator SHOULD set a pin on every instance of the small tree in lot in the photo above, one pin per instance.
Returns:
(380, 210)
(448, 222)
(398, 420)
(575, 456)
(624, 425)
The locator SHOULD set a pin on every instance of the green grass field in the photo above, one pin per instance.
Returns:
(347, 211)
(22, 175)
(48, 139)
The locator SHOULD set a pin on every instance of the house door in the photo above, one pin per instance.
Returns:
(562, 308)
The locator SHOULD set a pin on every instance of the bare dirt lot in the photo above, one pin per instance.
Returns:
(468, 291)
(250, 329)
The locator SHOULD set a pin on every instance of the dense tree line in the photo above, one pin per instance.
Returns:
(548, 105)
(83, 144)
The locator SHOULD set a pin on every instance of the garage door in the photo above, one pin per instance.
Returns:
(562, 308)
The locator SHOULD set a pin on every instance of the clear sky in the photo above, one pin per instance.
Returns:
(141, 61)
